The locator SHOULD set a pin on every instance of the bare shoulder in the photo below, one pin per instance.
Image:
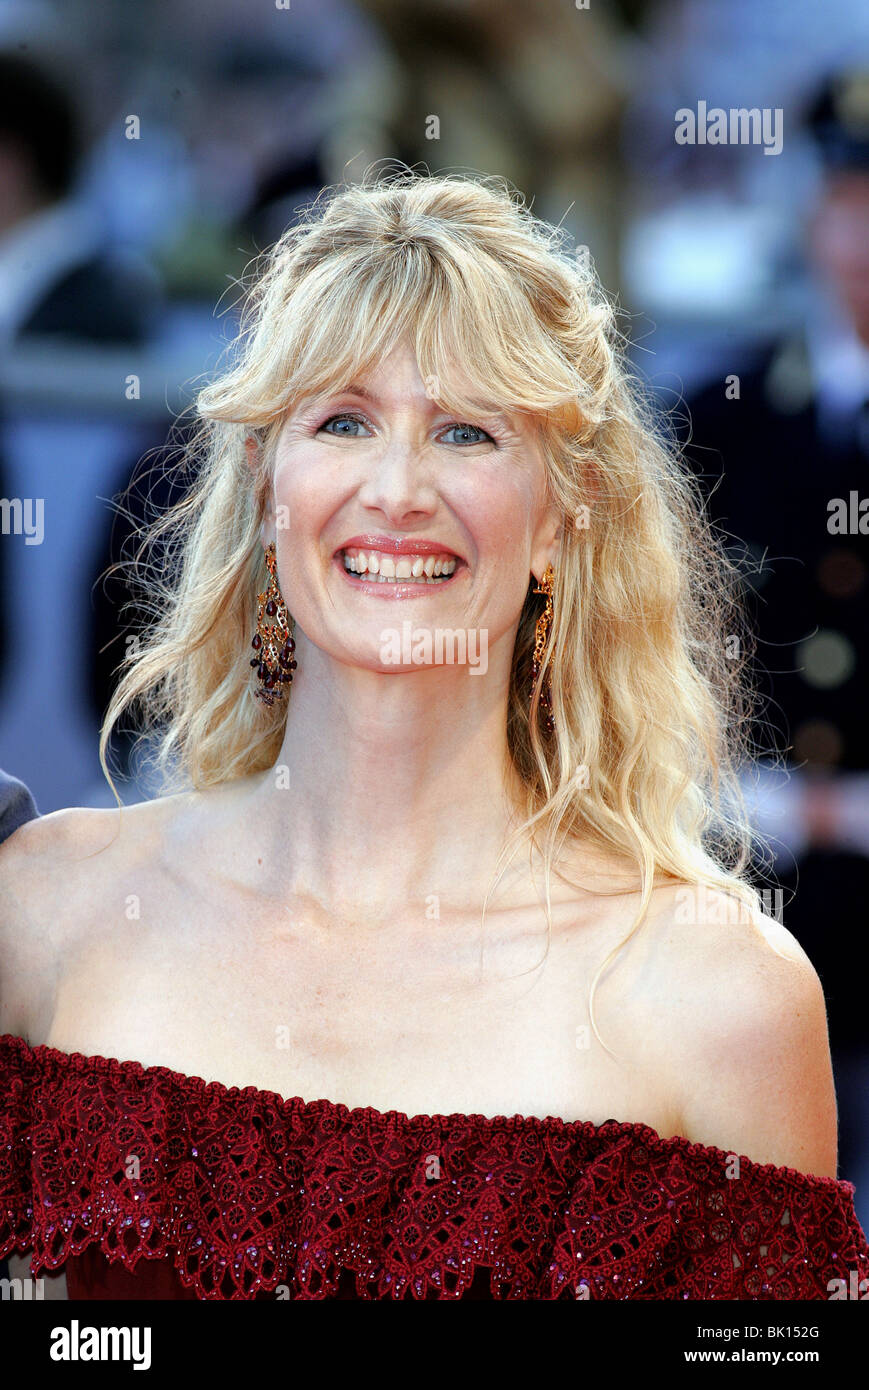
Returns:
(48, 860)
(55, 873)
(746, 1031)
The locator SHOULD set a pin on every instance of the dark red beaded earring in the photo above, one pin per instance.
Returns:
(273, 641)
(541, 633)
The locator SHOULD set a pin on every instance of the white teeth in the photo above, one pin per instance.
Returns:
(378, 567)
(382, 579)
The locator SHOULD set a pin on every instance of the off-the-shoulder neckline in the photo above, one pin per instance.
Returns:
(398, 1120)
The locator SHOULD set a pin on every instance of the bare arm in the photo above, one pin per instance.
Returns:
(756, 1048)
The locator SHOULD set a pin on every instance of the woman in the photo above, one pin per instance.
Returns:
(438, 974)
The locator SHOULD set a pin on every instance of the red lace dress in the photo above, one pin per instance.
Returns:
(145, 1183)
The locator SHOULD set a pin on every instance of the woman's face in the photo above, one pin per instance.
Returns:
(375, 486)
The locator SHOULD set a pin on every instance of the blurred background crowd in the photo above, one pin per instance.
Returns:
(149, 151)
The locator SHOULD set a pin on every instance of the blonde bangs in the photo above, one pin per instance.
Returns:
(479, 344)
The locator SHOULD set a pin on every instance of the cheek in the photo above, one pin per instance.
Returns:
(497, 511)
(294, 472)
(304, 492)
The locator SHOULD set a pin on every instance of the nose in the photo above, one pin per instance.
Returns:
(399, 482)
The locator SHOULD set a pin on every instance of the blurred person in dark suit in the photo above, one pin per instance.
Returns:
(56, 275)
(65, 293)
(16, 804)
(782, 449)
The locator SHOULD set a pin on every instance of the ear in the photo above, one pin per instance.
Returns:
(267, 525)
(547, 542)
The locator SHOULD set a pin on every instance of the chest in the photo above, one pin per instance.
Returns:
(431, 1016)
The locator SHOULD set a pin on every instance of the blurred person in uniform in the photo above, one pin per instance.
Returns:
(782, 449)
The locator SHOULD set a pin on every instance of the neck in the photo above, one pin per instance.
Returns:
(397, 789)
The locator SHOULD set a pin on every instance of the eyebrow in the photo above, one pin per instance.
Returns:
(356, 389)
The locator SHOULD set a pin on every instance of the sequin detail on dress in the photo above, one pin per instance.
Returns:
(241, 1194)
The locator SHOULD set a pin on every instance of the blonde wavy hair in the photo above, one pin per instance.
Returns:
(647, 649)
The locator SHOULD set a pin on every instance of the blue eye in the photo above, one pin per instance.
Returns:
(349, 419)
(476, 430)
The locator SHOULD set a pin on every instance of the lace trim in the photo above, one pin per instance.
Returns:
(246, 1190)
(296, 1106)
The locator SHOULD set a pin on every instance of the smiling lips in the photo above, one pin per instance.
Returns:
(378, 567)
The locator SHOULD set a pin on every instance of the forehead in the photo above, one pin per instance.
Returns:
(395, 377)
(396, 382)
